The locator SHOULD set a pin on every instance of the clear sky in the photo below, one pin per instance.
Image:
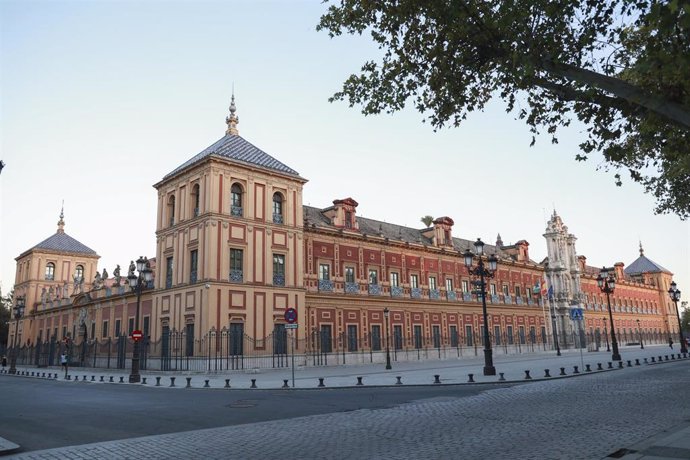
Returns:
(99, 100)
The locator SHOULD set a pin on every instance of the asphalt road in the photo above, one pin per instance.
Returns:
(41, 414)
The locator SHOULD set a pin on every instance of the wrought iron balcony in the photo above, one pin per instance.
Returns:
(518, 300)
(494, 298)
(416, 293)
(434, 294)
(374, 289)
(279, 280)
(351, 288)
(450, 295)
(507, 299)
(196, 212)
(236, 276)
(325, 286)
(396, 291)
(277, 218)
(467, 296)
(236, 211)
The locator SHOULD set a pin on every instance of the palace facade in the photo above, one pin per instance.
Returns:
(236, 247)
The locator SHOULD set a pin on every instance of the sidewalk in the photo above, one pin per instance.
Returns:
(667, 445)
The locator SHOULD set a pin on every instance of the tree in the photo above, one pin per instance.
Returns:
(685, 318)
(621, 67)
(5, 317)
(427, 220)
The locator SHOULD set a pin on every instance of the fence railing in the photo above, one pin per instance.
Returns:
(219, 351)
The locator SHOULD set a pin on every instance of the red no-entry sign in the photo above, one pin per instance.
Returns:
(137, 335)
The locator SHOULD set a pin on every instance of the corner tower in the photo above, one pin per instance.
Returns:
(229, 241)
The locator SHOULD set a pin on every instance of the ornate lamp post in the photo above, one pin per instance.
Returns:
(483, 272)
(386, 313)
(607, 284)
(674, 292)
(639, 332)
(606, 335)
(138, 283)
(18, 313)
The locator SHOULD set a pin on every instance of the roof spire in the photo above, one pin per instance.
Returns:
(61, 222)
(233, 119)
(641, 250)
(499, 241)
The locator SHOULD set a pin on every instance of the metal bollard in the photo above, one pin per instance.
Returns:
(470, 378)
(189, 382)
(122, 379)
(666, 357)
(227, 383)
(102, 379)
(321, 382)
(653, 359)
(44, 374)
(672, 357)
(620, 364)
(359, 381)
(527, 376)
(588, 368)
(32, 373)
(437, 378)
(206, 385)
(645, 361)
(547, 373)
(661, 358)
(253, 383)
(637, 361)
(143, 380)
(93, 378)
(610, 365)
(172, 381)
(501, 378)
(629, 363)
(398, 381)
(562, 371)
(68, 377)
(76, 378)
(158, 381)
(111, 379)
(285, 384)
(576, 370)
(83, 379)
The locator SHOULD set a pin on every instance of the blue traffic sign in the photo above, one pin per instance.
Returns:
(290, 315)
(576, 314)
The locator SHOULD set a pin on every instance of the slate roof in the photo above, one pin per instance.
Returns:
(236, 148)
(315, 217)
(64, 243)
(644, 265)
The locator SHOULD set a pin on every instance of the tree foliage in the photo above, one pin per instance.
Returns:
(622, 67)
(685, 319)
(5, 317)
(427, 220)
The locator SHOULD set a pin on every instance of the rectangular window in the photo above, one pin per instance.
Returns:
(436, 335)
(236, 259)
(325, 338)
(349, 274)
(517, 291)
(279, 269)
(324, 272)
(147, 327)
(521, 331)
(532, 335)
(130, 326)
(348, 219)
(280, 343)
(449, 284)
(497, 335)
(397, 337)
(395, 280)
(505, 289)
(376, 337)
(93, 331)
(189, 342)
(465, 286)
(104, 333)
(509, 332)
(118, 328)
(492, 289)
(64, 331)
(414, 281)
(543, 334)
(469, 338)
(168, 272)
(453, 330)
(432, 282)
(373, 276)
(236, 339)
(193, 264)
(418, 336)
(351, 337)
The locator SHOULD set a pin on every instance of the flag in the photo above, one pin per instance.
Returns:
(550, 293)
(543, 287)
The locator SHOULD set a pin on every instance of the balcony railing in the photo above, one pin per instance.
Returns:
(507, 299)
(374, 289)
(236, 211)
(279, 280)
(434, 294)
(351, 288)
(494, 298)
(467, 296)
(325, 286)
(518, 300)
(236, 276)
(450, 295)
(277, 218)
(196, 212)
(416, 293)
(396, 291)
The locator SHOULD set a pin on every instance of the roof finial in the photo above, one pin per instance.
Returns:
(233, 119)
(61, 222)
(641, 250)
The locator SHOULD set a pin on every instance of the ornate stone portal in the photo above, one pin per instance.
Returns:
(563, 278)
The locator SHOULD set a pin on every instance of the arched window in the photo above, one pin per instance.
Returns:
(195, 200)
(236, 200)
(50, 271)
(171, 210)
(79, 272)
(277, 208)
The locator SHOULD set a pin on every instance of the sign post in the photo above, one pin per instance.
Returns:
(576, 314)
(291, 319)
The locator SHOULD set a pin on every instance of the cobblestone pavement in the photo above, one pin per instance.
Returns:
(583, 418)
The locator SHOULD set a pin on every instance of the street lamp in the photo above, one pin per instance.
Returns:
(674, 292)
(607, 284)
(482, 272)
(138, 283)
(386, 312)
(639, 332)
(18, 313)
(606, 335)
